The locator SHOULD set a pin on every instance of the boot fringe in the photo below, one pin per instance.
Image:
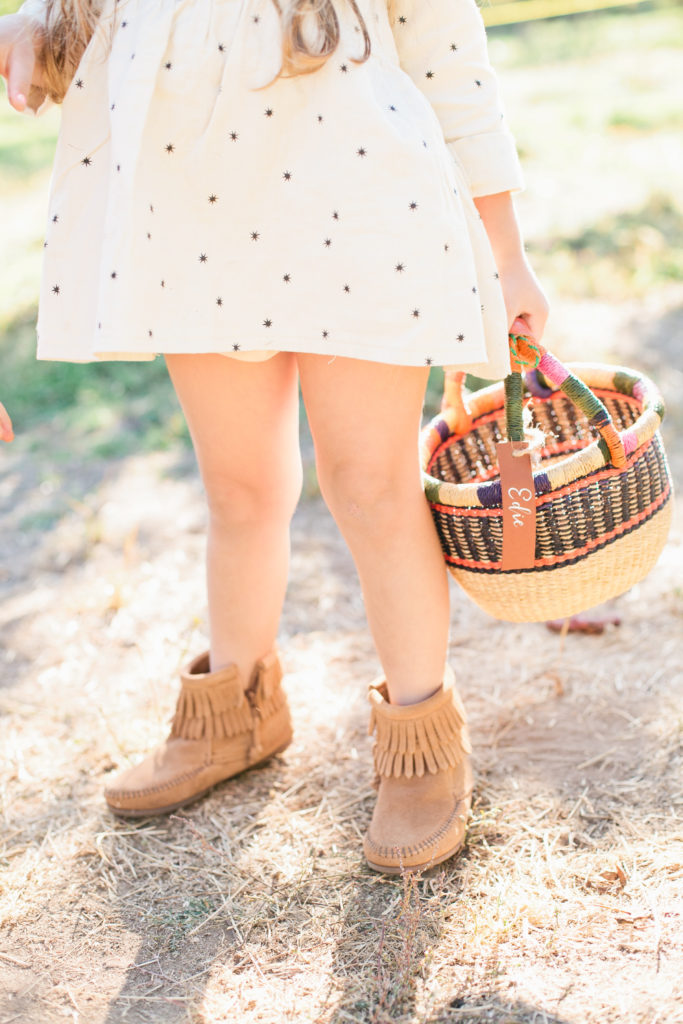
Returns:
(432, 741)
(221, 710)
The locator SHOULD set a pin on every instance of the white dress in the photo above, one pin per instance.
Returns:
(192, 211)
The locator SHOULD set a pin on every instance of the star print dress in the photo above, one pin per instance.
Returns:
(196, 205)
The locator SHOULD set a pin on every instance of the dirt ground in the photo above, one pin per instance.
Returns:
(565, 906)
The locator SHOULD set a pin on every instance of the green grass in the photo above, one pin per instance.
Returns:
(631, 252)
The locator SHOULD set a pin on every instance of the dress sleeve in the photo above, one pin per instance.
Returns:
(441, 44)
(38, 100)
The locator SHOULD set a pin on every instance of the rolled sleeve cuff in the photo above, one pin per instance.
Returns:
(489, 161)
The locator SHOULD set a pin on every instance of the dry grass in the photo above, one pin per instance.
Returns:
(256, 904)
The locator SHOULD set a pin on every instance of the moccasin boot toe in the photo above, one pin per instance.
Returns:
(219, 729)
(424, 779)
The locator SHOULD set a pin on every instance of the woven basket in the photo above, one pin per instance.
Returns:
(603, 504)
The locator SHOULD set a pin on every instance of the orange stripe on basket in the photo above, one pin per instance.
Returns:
(575, 553)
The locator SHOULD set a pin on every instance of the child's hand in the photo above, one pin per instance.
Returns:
(6, 431)
(20, 42)
(524, 297)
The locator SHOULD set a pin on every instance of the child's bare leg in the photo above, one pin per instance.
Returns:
(243, 419)
(365, 419)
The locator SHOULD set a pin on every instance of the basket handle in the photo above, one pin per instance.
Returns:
(528, 355)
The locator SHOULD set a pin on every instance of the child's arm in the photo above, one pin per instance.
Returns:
(441, 44)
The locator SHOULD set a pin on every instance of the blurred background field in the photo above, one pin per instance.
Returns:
(566, 906)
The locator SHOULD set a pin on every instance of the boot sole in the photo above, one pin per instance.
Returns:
(153, 812)
(388, 869)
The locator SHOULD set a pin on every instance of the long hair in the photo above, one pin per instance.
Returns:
(310, 34)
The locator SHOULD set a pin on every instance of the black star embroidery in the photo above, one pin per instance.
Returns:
(168, 65)
(118, 167)
(400, 267)
(148, 235)
(454, 46)
(287, 278)
(496, 275)
(335, 215)
(170, 148)
(424, 143)
(343, 67)
(254, 236)
(56, 289)
(267, 323)
(361, 151)
(44, 245)
(327, 242)
(269, 112)
(112, 106)
(255, 18)
(234, 136)
(79, 83)
(235, 347)
(346, 288)
(55, 218)
(325, 334)
(132, 56)
(445, 246)
(429, 74)
(413, 205)
(482, 307)
(461, 337)
(113, 274)
(219, 301)
(151, 208)
(428, 361)
(474, 289)
(477, 82)
(149, 333)
(86, 161)
(320, 117)
(99, 326)
(287, 175)
(403, 19)
(221, 48)
(203, 257)
(163, 284)
(123, 24)
(213, 198)
(416, 312)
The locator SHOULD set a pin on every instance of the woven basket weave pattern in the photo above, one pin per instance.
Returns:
(599, 528)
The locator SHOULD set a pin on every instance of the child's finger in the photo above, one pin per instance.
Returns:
(19, 75)
(6, 431)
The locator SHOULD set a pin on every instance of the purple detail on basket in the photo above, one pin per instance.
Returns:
(630, 439)
(442, 429)
(552, 369)
(639, 391)
(600, 419)
(542, 483)
(490, 495)
(534, 385)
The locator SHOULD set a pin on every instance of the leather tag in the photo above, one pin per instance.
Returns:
(519, 505)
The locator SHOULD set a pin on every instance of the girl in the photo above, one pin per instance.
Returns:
(323, 195)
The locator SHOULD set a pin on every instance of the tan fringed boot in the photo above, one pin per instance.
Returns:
(219, 729)
(424, 778)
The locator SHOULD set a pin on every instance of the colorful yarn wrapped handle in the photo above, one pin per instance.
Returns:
(532, 358)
